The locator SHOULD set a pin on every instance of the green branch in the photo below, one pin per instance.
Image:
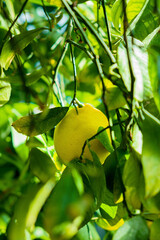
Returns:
(74, 73)
(125, 24)
(107, 24)
(82, 48)
(45, 11)
(95, 33)
(95, 135)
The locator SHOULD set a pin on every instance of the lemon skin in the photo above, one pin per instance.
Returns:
(75, 128)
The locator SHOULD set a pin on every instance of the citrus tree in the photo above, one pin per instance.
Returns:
(80, 119)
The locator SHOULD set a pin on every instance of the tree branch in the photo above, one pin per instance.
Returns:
(107, 24)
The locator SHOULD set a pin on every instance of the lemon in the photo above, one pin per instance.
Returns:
(75, 128)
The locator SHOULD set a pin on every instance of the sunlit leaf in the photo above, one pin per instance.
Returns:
(133, 8)
(27, 209)
(109, 210)
(137, 139)
(103, 223)
(5, 92)
(150, 154)
(154, 64)
(40, 123)
(131, 178)
(145, 22)
(19, 144)
(139, 61)
(56, 3)
(114, 98)
(16, 45)
(117, 11)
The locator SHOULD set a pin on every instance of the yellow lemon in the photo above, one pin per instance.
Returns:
(75, 128)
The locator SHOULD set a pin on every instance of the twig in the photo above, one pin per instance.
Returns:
(63, 52)
(74, 73)
(99, 39)
(9, 30)
(107, 24)
(70, 11)
(98, 7)
(125, 23)
(44, 9)
(56, 69)
(119, 120)
(95, 135)
(59, 62)
(97, 62)
(82, 48)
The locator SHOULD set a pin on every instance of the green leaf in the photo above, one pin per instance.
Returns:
(114, 98)
(110, 210)
(139, 61)
(66, 208)
(150, 39)
(155, 230)
(133, 8)
(115, 160)
(133, 229)
(19, 144)
(41, 165)
(3, 32)
(5, 92)
(56, 3)
(27, 209)
(40, 123)
(150, 154)
(152, 205)
(94, 178)
(81, 86)
(104, 139)
(154, 65)
(137, 139)
(117, 11)
(29, 78)
(16, 45)
(88, 232)
(34, 142)
(145, 22)
(112, 215)
(131, 178)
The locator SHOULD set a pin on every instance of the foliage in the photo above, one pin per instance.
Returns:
(55, 55)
